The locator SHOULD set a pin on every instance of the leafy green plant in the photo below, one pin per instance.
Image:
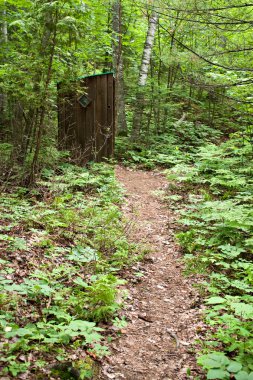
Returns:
(217, 241)
(71, 247)
(220, 367)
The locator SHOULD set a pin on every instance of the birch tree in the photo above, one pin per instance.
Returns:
(143, 75)
(120, 114)
(3, 41)
(4, 25)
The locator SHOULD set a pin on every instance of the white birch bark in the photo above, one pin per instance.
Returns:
(148, 49)
(143, 75)
(4, 26)
(4, 39)
(120, 113)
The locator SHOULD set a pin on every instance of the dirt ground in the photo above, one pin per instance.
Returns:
(163, 311)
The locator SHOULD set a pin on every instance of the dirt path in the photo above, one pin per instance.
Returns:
(161, 309)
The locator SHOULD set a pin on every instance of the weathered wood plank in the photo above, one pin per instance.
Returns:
(103, 121)
(110, 115)
(89, 122)
(88, 130)
(98, 118)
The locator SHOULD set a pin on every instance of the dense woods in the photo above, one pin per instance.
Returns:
(183, 82)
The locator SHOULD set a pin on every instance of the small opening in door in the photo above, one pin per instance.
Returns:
(84, 100)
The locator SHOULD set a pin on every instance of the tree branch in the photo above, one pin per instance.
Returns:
(203, 58)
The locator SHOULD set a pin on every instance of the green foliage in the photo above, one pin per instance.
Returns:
(68, 229)
(45, 42)
(174, 146)
(220, 367)
(67, 234)
(218, 241)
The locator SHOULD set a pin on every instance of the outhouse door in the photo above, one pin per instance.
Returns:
(86, 117)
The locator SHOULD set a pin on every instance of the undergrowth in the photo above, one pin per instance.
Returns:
(217, 238)
(174, 146)
(64, 243)
(214, 179)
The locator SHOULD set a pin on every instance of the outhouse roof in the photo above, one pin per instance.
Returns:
(95, 75)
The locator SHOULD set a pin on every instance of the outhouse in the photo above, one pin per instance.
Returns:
(86, 117)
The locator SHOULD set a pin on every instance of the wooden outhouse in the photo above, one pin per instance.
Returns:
(86, 117)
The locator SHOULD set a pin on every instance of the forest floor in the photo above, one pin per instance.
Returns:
(163, 308)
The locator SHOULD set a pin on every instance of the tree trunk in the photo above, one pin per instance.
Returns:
(140, 96)
(171, 76)
(4, 25)
(3, 96)
(120, 112)
(43, 108)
